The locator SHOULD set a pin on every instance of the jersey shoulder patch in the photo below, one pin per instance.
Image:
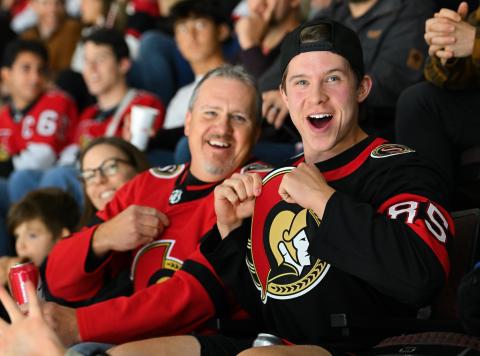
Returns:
(167, 172)
(389, 150)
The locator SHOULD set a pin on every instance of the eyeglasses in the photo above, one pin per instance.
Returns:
(108, 168)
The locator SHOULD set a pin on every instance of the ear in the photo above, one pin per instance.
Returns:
(65, 232)
(364, 88)
(124, 65)
(5, 74)
(223, 32)
(283, 93)
(188, 119)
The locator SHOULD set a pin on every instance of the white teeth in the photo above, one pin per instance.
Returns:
(107, 194)
(219, 144)
(320, 116)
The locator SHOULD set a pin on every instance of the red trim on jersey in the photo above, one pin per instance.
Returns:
(422, 230)
(352, 166)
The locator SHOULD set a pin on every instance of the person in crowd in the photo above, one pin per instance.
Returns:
(159, 58)
(36, 122)
(261, 32)
(37, 222)
(117, 161)
(153, 224)
(200, 29)
(391, 33)
(106, 64)
(94, 14)
(58, 32)
(350, 233)
(438, 117)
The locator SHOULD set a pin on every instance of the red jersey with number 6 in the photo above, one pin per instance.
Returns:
(50, 120)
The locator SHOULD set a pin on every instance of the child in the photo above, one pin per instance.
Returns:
(37, 221)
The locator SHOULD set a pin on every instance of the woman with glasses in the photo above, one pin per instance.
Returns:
(105, 165)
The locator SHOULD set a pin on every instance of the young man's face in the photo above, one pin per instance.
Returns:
(198, 38)
(25, 79)
(322, 96)
(101, 71)
(221, 128)
(33, 240)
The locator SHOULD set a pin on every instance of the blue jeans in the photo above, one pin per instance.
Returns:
(64, 177)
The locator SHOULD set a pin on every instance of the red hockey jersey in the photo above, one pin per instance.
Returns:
(49, 121)
(177, 305)
(92, 124)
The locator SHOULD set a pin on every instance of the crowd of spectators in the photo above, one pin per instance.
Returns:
(305, 157)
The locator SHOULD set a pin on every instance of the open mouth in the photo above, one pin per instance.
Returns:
(107, 194)
(218, 144)
(319, 121)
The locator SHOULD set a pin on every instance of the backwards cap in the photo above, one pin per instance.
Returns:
(323, 35)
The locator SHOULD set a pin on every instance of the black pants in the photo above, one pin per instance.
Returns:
(439, 124)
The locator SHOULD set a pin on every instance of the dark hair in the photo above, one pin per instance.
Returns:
(111, 38)
(56, 208)
(134, 156)
(211, 9)
(18, 46)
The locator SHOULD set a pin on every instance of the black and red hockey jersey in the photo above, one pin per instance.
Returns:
(380, 251)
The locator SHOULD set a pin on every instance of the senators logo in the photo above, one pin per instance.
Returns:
(278, 257)
(154, 263)
(390, 149)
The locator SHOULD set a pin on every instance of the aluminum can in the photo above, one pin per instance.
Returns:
(18, 275)
(266, 340)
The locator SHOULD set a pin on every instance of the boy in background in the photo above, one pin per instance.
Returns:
(37, 222)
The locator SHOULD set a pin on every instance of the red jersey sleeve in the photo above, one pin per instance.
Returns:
(175, 306)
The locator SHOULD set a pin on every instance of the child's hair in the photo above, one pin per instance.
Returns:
(54, 207)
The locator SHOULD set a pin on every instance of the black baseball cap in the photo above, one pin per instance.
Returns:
(323, 35)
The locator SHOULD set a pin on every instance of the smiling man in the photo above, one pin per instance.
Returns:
(153, 224)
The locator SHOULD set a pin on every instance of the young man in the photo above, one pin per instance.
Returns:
(200, 28)
(106, 64)
(36, 124)
(153, 224)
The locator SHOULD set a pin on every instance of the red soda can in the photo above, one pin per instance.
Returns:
(18, 275)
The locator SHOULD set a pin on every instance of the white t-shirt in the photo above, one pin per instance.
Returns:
(178, 106)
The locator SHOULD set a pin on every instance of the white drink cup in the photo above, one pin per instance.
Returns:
(141, 122)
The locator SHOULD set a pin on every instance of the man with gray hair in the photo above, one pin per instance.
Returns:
(153, 224)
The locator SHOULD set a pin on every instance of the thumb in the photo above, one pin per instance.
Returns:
(463, 10)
